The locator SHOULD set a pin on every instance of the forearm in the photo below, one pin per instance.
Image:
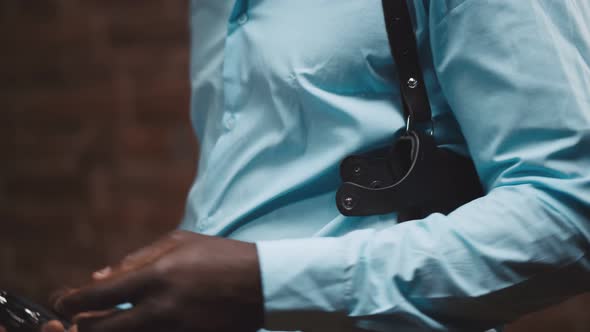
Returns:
(485, 264)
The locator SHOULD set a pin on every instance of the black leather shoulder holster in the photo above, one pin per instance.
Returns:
(413, 176)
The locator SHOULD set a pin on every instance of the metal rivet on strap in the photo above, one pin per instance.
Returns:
(412, 83)
(348, 202)
(357, 171)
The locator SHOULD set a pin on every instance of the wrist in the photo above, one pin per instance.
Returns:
(248, 287)
(257, 295)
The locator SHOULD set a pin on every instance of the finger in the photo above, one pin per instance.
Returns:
(2, 329)
(53, 326)
(105, 294)
(59, 294)
(135, 319)
(136, 259)
(144, 256)
(92, 314)
(102, 273)
(74, 328)
(151, 252)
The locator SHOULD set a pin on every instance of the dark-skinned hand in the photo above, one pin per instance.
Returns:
(133, 260)
(183, 282)
(142, 256)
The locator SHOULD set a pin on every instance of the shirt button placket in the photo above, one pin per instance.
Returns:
(233, 90)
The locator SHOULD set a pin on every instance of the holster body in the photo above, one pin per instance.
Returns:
(413, 177)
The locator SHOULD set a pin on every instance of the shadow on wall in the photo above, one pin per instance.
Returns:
(97, 152)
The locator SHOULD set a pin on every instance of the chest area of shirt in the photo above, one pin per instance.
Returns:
(338, 45)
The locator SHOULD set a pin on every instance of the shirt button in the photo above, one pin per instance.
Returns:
(229, 121)
(243, 19)
(202, 224)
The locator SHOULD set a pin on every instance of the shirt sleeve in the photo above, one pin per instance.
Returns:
(517, 77)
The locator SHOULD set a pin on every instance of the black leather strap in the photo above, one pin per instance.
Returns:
(402, 41)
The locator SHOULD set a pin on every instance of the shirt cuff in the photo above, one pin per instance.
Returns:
(305, 280)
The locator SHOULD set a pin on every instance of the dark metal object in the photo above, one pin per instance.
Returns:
(18, 314)
(413, 177)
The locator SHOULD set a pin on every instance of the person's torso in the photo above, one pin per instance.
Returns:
(282, 91)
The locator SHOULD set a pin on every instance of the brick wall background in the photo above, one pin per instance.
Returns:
(96, 149)
(96, 152)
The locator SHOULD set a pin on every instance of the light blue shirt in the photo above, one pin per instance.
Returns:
(282, 91)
